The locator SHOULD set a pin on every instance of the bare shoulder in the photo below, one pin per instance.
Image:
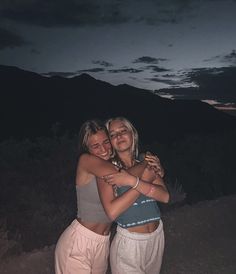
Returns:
(82, 174)
(86, 159)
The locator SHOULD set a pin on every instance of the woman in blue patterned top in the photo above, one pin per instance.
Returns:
(139, 242)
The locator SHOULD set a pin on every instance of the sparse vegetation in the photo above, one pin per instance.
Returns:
(37, 198)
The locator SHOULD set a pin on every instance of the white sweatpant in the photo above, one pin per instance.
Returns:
(81, 251)
(137, 253)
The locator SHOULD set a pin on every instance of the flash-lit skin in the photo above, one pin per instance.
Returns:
(100, 146)
(96, 164)
(121, 140)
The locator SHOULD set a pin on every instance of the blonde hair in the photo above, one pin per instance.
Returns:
(131, 128)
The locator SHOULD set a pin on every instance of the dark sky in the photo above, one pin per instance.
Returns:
(150, 44)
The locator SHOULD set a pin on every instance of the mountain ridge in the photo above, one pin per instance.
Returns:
(31, 104)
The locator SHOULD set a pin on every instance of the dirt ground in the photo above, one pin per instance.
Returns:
(200, 239)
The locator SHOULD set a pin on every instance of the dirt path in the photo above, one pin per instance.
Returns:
(200, 239)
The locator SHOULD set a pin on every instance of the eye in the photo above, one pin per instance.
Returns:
(124, 131)
(95, 146)
(112, 135)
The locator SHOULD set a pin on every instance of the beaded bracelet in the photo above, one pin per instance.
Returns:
(137, 183)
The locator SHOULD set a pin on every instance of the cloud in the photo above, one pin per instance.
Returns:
(91, 70)
(102, 63)
(216, 84)
(71, 74)
(9, 39)
(149, 60)
(181, 93)
(156, 68)
(230, 58)
(173, 80)
(170, 82)
(59, 73)
(129, 70)
(54, 13)
(229, 108)
(226, 106)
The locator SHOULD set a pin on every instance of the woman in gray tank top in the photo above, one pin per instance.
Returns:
(84, 246)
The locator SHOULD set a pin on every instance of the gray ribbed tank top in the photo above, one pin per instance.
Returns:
(89, 205)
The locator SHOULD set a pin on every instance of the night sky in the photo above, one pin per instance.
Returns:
(151, 44)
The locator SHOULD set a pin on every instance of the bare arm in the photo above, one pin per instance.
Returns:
(114, 206)
(156, 189)
(90, 164)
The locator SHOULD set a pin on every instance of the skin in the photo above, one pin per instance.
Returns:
(121, 140)
(99, 146)
(96, 164)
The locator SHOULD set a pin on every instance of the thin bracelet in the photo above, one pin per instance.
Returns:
(137, 183)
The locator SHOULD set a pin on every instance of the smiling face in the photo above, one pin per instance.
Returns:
(99, 145)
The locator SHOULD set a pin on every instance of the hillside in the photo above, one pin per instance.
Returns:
(33, 105)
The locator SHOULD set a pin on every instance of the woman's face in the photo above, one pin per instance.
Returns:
(99, 145)
(120, 135)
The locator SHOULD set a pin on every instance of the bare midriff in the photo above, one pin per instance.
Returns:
(147, 228)
(99, 228)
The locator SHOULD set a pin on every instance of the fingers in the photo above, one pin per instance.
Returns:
(107, 178)
(110, 179)
(152, 158)
(157, 168)
(154, 163)
(109, 175)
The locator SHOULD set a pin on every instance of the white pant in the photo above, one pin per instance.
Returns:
(81, 251)
(137, 253)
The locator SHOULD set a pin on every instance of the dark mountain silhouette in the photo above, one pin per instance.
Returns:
(31, 104)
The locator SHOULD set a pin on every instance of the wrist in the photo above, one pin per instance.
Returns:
(136, 183)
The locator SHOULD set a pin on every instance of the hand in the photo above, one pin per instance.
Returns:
(122, 178)
(155, 164)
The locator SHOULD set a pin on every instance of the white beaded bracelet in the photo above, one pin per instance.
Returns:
(137, 183)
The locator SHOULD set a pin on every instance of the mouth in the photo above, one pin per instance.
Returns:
(105, 156)
(121, 142)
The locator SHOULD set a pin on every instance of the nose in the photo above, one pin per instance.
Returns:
(119, 134)
(102, 148)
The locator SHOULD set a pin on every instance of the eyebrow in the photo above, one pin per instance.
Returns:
(107, 139)
(122, 127)
(94, 144)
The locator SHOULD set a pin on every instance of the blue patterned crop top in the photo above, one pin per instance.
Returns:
(144, 210)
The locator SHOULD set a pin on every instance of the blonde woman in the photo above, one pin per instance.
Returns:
(139, 242)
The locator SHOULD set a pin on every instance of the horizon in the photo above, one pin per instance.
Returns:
(164, 93)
